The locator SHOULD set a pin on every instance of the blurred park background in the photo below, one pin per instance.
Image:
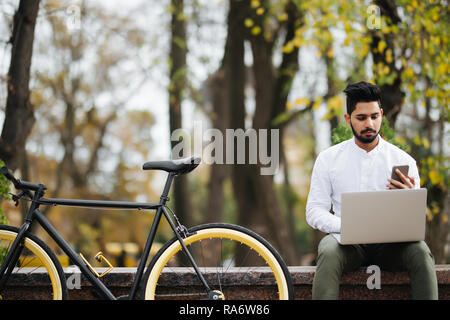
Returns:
(90, 90)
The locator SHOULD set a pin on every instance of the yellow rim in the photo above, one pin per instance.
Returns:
(43, 256)
(218, 233)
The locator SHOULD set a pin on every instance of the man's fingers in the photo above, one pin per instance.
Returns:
(394, 184)
(408, 182)
(402, 177)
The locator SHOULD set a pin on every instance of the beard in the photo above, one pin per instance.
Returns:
(362, 139)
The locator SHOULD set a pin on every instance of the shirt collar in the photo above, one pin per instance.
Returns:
(373, 152)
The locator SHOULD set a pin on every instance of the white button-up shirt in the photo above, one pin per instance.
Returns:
(345, 167)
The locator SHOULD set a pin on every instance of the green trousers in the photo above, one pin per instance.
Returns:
(333, 259)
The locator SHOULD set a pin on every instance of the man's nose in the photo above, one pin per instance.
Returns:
(369, 123)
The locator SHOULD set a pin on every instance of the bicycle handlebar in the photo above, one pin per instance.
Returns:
(21, 185)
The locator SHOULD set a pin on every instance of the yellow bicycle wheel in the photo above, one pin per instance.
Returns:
(232, 259)
(37, 267)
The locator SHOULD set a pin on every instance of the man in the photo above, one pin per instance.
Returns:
(362, 163)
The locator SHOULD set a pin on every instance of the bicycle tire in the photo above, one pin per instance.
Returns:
(36, 258)
(276, 274)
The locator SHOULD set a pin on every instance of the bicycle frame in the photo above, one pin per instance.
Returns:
(34, 214)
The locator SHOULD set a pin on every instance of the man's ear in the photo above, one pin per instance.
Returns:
(347, 118)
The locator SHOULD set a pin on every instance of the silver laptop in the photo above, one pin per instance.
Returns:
(383, 216)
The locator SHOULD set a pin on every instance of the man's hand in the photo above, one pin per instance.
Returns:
(407, 182)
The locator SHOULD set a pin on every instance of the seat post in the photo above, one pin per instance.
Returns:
(164, 196)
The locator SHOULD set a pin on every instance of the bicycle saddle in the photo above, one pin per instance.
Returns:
(179, 166)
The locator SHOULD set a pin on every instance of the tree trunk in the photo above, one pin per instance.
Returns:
(19, 115)
(178, 52)
(255, 194)
(220, 120)
(391, 94)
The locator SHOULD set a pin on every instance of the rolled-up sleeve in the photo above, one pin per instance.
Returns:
(319, 201)
(415, 174)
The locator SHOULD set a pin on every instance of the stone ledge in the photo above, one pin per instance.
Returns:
(394, 285)
(353, 285)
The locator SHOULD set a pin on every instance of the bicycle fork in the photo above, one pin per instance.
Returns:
(15, 251)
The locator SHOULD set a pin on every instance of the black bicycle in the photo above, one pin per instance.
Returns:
(210, 259)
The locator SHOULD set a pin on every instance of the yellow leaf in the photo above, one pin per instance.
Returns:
(283, 17)
(400, 140)
(260, 11)
(425, 143)
(288, 48)
(248, 22)
(302, 101)
(409, 72)
(435, 16)
(297, 42)
(381, 46)
(36, 98)
(255, 3)
(430, 161)
(347, 41)
(256, 30)
(386, 29)
(289, 105)
(442, 69)
(347, 27)
(335, 103)
(388, 55)
(429, 93)
(416, 140)
(364, 50)
(434, 176)
(436, 40)
(435, 208)
(429, 215)
(316, 104)
(330, 53)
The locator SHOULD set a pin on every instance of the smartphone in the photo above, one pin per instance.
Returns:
(403, 169)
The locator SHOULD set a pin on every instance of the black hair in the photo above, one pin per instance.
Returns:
(361, 92)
